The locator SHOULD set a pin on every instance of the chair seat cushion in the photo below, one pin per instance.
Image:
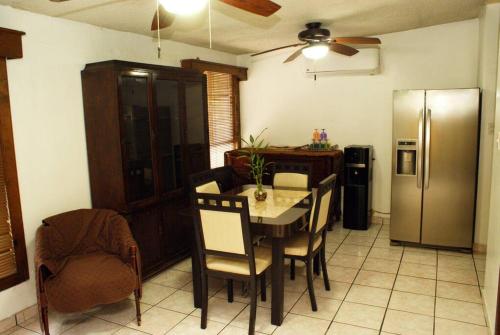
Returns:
(298, 243)
(263, 259)
(89, 280)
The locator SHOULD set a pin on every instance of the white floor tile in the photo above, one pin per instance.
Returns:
(303, 325)
(343, 329)
(327, 308)
(192, 326)
(369, 295)
(460, 311)
(405, 323)
(413, 303)
(221, 311)
(360, 315)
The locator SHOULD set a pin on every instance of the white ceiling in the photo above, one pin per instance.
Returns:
(236, 31)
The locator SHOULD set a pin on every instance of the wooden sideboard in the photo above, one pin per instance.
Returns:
(323, 164)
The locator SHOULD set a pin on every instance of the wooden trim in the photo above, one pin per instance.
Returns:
(10, 43)
(236, 113)
(202, 66)
(11, 180)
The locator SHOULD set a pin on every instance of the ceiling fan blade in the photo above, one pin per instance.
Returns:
(293, 56)
(357, 40)
(343, 49)
(284, 47)
(166, 19)
(259, 7)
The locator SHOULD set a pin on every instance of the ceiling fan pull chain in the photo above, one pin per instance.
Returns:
(158, 26)
(210, 22)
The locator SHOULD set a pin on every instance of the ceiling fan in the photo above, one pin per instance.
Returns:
(167, 9)
(317, 41)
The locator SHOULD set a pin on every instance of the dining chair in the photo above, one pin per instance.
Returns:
(225, 248)
(306, 245)
(204, 182)
(292, 175)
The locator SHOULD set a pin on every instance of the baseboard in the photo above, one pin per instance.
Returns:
(18, 318)
(380, 218)
(485, 311)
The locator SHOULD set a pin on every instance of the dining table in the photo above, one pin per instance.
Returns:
(276, 218)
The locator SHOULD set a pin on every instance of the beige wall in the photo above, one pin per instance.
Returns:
(46, 101)
(488, 56)
(493, 253)
(357, 109)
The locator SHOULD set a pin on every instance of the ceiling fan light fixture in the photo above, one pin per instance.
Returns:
(316, 51)
(184, 7)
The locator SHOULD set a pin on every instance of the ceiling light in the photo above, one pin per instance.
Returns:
(183, 7)
(316, 51)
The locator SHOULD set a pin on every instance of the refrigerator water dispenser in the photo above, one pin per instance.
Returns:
(407, 157)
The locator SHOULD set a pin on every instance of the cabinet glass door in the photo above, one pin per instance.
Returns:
(169, 135)
(196, 127)
(137, 153)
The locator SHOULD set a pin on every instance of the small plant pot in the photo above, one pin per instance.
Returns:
(260, 195)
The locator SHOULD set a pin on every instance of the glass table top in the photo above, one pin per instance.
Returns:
(278, 201)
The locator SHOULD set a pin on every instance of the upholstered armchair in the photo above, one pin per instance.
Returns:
(85, 258)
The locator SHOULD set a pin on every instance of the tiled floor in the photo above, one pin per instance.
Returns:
(376, 289)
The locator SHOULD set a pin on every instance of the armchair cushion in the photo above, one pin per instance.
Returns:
(297, 245)
(83, 258)
(88, 280)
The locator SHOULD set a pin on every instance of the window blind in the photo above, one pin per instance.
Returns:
(7, 255)
(222, 127)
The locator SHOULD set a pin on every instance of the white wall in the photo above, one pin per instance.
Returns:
(488, 57)
(357, 109)
(493, 252)
(46, 101)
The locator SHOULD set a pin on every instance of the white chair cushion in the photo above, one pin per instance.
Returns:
(297, 244)
(263, 259)
(289, 179)
(210, 187)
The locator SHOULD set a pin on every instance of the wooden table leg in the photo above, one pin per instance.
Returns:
(196, 276)
(278, 282)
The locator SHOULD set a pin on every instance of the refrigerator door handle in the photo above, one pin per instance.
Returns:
(420, 148)
(427, 168)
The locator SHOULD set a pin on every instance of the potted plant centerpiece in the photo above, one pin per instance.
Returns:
(256, 163)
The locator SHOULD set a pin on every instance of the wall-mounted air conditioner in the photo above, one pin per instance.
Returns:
(365, 62)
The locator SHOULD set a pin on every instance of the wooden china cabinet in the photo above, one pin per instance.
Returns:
(147, 130)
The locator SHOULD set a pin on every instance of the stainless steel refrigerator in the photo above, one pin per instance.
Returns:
(434, 166)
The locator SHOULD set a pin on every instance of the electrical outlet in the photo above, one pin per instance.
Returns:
(491, 128)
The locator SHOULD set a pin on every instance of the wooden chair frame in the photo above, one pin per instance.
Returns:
(325, 185)
(226, 203)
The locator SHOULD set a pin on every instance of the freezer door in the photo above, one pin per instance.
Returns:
(407, 157)
(452, 118)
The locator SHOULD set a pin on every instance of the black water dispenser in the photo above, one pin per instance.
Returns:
(358, 173)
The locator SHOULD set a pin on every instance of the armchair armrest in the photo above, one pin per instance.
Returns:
(122, 242)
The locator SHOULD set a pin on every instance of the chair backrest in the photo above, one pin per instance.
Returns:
(225, 177)
(321, 208)
(199, 179)
(222, 227)
(292, 175)
(211, 187)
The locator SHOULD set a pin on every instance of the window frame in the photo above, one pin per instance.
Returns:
(11, 48)
(238, 74)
